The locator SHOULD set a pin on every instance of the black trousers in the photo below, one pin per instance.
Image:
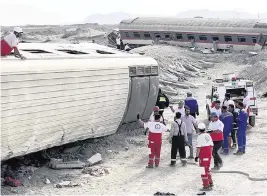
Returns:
(178, 144)
(193, 114)
(216, 156)
(233, 135)
(118, 47)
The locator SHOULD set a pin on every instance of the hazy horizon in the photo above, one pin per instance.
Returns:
(44, 12)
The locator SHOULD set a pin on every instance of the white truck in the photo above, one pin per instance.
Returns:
(233, 85)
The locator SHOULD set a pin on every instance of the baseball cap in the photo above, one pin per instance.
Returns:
(213, 114)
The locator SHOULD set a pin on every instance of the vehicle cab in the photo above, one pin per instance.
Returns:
(229, 83)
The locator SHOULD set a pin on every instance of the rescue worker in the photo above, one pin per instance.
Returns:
(155, 130)
(192, 104)
(10, 42)
(162, 102)
(227, 100)
(217, 108)
(241, 131)
(227, 119)
(246, 101)
(214, 99)
(216, 132)
(180, 108)
(121, 44)
(155, 112)
(118, 42)
(178, 139)
(127, 47)
(191, 125)
(231, 109)
(204, 154)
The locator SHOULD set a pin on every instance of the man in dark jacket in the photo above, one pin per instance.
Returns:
(162, 102)
(192, 104)
(231, 109)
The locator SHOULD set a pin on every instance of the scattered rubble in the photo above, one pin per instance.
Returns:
(258, 73)
(163, 194)
(175, 67)
(59, 164)
(47, 181)
(66, 184)
(12, 182)
(97, 158)
(95, 171)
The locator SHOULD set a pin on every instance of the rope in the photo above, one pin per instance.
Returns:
(234, 172)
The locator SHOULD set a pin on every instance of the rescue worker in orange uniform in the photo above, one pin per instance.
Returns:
(155, 130)
(204, 155)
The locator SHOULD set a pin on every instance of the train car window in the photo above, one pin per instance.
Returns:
(167, 36)
(190, 36)
(147, 35)
(228, 38)
(137, 35)
(35, 51)
(157, 35)
(179, 36)
(215, 38)
(241, 39)
(254, 39)
(103, 52)
(71, 51)
(203, 37)
(127, 34)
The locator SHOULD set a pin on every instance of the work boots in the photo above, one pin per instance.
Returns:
(173, 163)
(238, 153)
(206, 183)
(184, 162)
(149, 166)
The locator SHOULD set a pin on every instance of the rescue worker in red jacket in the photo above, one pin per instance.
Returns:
(10, 42)
(155, 130)
(216, 132)
(204, 155)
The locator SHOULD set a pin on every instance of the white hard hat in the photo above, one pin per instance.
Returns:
(18, 30)
(201, 126)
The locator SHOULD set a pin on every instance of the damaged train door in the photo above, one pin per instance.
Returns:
(144, 84)
(261, 42)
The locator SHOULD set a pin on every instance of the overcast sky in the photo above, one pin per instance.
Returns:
(14, 12)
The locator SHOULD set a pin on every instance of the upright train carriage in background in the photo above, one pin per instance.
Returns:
(195, 32)
(63, 93)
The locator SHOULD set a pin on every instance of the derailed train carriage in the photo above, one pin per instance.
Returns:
(195, 32)
(63, 93)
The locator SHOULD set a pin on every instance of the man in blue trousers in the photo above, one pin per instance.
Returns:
(227, 119)
(192, 104)
(241, 131)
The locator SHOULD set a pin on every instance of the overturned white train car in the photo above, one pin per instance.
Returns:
(195, 32)
(63, 93)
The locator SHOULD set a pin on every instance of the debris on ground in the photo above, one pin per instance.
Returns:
(66, 184)
(258, 73)
(47, 181)
(59, 164)
(95, 159)
(253, 53)
(202, 193)
(163, 194)
(95, 171)
(12, 182)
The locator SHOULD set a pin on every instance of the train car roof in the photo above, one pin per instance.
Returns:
(67, 51)
(58, 60)
(208, 25)
(207, 22)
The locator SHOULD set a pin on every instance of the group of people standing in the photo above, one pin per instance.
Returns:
(120, 45)
(225, 121)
